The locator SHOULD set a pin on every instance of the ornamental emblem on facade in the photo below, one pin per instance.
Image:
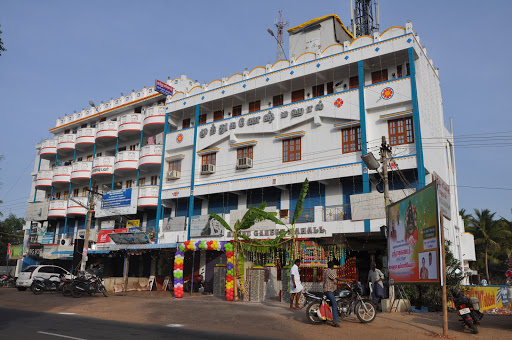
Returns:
(338, 103)
(387, 93)
(179, 138)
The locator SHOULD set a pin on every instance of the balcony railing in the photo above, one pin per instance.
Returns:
(130, 123)
(81, 170)
(85, 136)
(48, 149)
(103, 165)
(126, 160)
(57, 208)
(107, 129)
(151, 155)
(154, 117)
(66, 142)
(44, 179)
(61, 174)
(148, 196)
(76, 209)
(307, 216)
(337, 213)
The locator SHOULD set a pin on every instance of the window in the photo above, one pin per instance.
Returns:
(297, 96)
(318, 90)
(277, 100)
(60, 271)
(330, 87)
(65, 196)
(185, 124)
(67, 131)
(209, 159)
(401, 131)
(89, 158)
(57, 196)
(379, 76)
(138, 109)
(399, 71)
(202, 119)
(47, 270)
(93, 125)
(244, 152)
(353, 82)
(75, 130)
(351, 139)
(176, 165)
(218, 115)
(129, 183)
(83, 126)
(123, 148)
(408, 69)
(161, 102)
(237, 110)
(84, 191)
(75, 192)
(98, 154)
(291, 150)
(48, 197)
(79, 159)
(133, 147)
(103, 119)
(154, 180)
(118, 185)
(142, 182)
(254, 106)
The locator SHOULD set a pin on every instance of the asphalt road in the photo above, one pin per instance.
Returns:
(20, 324)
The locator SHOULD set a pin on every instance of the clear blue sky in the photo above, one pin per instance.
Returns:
(61, 54)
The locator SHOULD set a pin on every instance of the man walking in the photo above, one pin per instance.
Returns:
(376, 277)
(295, 285)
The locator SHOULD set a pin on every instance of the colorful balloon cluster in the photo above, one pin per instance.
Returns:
(178, 272)
(230, 272)
(204, 245)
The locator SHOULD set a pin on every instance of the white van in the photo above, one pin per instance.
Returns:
(26, 276)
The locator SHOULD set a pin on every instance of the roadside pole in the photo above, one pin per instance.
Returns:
(384, 149)
(443, 271)
(87, 230)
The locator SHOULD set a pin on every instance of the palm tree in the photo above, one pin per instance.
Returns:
(296, 215)
(489, 235)
(252, 216)
(466, 218)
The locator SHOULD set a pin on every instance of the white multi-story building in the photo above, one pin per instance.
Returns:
(256, 136)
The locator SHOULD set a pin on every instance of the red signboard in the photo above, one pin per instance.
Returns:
(163, 88)
(103, 235)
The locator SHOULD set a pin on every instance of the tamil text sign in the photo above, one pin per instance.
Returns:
(443, 193)
(14, 251)
(163, 88)
(413, 238)
(118, 202)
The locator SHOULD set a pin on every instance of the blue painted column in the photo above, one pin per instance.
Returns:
(159, 209)
(54, 165)
(140, 147)
(35, 189)
(113, 172)
(193, 172)
(362, 119)
(69, 192)
(420, 164)
(90, 180)
(342, 256)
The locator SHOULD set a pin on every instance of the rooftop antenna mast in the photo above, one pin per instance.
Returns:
(366, 14)
(280, 24)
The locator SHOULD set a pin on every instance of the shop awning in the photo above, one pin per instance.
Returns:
(115, 247)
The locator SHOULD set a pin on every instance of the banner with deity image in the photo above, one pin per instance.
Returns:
(414, 238)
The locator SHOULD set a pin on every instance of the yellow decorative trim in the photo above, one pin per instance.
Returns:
(208, 151)
(352, 122)
(291, 134)
(194, 88)
(234, 75)
(369, 36)
(321, 19)
(331, 46)
(392, 28)
(280, 61)
(213, 81)
(395, 114)
(174, 158)
(256, 68)
(248, 143)
(303, 54)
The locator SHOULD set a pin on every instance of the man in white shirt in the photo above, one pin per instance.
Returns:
(376, 277)
(295, 285)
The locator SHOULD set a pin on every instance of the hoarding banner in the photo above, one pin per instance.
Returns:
(492, 299)
(413, 239)
(104, 238)
(174, 224)
(130, 238)
(48, 238)
(163, 88)
(205, 226)
(14, 251)
(132, 223)
(371, 206)
(118, 202)
(37, 211)
(443, 192)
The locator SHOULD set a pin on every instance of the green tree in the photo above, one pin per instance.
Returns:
(2, 49)
(296, 215)
(11, 231)
(466, 218)
(489, 235)
(252, 216)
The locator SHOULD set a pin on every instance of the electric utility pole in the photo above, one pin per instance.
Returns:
(385, 150)
(90, 209)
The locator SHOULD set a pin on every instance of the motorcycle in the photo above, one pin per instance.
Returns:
(7, 281)
(198, 284)
(348, 301)
(467, 308)
(89, 284)
(40, 284)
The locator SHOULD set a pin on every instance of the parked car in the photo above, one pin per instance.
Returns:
(27, 275)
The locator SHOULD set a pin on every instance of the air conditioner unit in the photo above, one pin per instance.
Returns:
(244, 163)
(207, 169)
(174, 174)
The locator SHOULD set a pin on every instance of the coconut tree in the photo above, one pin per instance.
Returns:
(297, 214)
(251, 217)
(466, 218)
(489, 235)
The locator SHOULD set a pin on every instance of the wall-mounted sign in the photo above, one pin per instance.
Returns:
(130, 238)
(132, 223)
(48, 238)
(174, 224)
(14, 251)
(37, 211)
(205, 226)
(443, 194)
(109, 224)
(118, 202)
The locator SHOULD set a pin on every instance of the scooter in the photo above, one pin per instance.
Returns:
(467, 308)
(88, 284)
(348, 301)
(198, 284)
(40, 284)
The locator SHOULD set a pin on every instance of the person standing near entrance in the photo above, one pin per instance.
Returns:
(376, 277)
(295, 285)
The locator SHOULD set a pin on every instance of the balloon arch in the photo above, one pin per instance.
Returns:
(204, 245)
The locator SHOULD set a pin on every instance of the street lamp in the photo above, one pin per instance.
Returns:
(278, 42)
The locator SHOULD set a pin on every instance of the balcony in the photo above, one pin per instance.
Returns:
(126, 161)
(307, 216)
(44, 179)
(337, 213)
(66, 144)
(130, 125)
(148, 196)
(57, 208)
(61, 175)
(85, 138)
(48, 149)
(154, 119)
(103, 166)
(150, 157)
(76, 209)
(81, 171)
(106, 132)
